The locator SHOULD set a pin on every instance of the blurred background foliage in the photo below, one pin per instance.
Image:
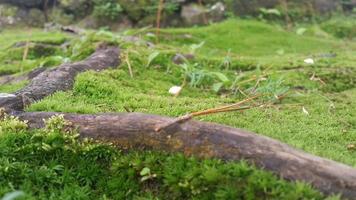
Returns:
(123, 14)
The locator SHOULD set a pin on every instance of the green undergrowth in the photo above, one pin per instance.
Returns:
(51, 163)
(11, 36)
(257, 43)
(43, 49)
(341, 27)
(8, 88)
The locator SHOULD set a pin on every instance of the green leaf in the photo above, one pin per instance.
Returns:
(46, 147)
(222, 77)
(13, 195)
(151, 57)
(58, 168)
(145, 171)
(217, 86)
(195, 47)
(301, 31)
(271, 11)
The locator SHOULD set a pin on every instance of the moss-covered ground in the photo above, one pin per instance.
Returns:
(232, 60)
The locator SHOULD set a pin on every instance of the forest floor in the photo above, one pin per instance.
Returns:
(224, 63)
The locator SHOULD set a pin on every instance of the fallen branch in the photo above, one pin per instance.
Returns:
(228, 108)
(127, 60)
(136, 130)
(60, 78)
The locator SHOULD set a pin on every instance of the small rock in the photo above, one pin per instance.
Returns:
(328, 55)
(217, 12)
(180, 58)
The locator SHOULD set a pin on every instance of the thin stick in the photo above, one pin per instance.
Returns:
(182, 86)
(246, 81)
(228, 108)
(129, 64)
(213, 110)
(222, 110)
(158, 19)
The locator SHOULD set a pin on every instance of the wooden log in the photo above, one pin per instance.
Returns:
(136, 130)
(60, 78)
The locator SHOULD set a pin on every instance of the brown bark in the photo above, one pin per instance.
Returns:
(60, 78)
(136, 130)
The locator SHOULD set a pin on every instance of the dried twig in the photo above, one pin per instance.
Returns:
(315, 78)
(127, 60)
(182, 86)
(228, 108)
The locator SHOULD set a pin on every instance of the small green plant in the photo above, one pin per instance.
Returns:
(222, 81)
(194, 74)
(146, 174)
(85, 45)
(269, 14)
(227, 61)
(151, 57)
(195, 47)
(56, 124)
(11, 123)
(341, 27)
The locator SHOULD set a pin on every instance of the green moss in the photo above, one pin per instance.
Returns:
(7, 88)
(260, 43)
(11, 58)
(11, 36)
